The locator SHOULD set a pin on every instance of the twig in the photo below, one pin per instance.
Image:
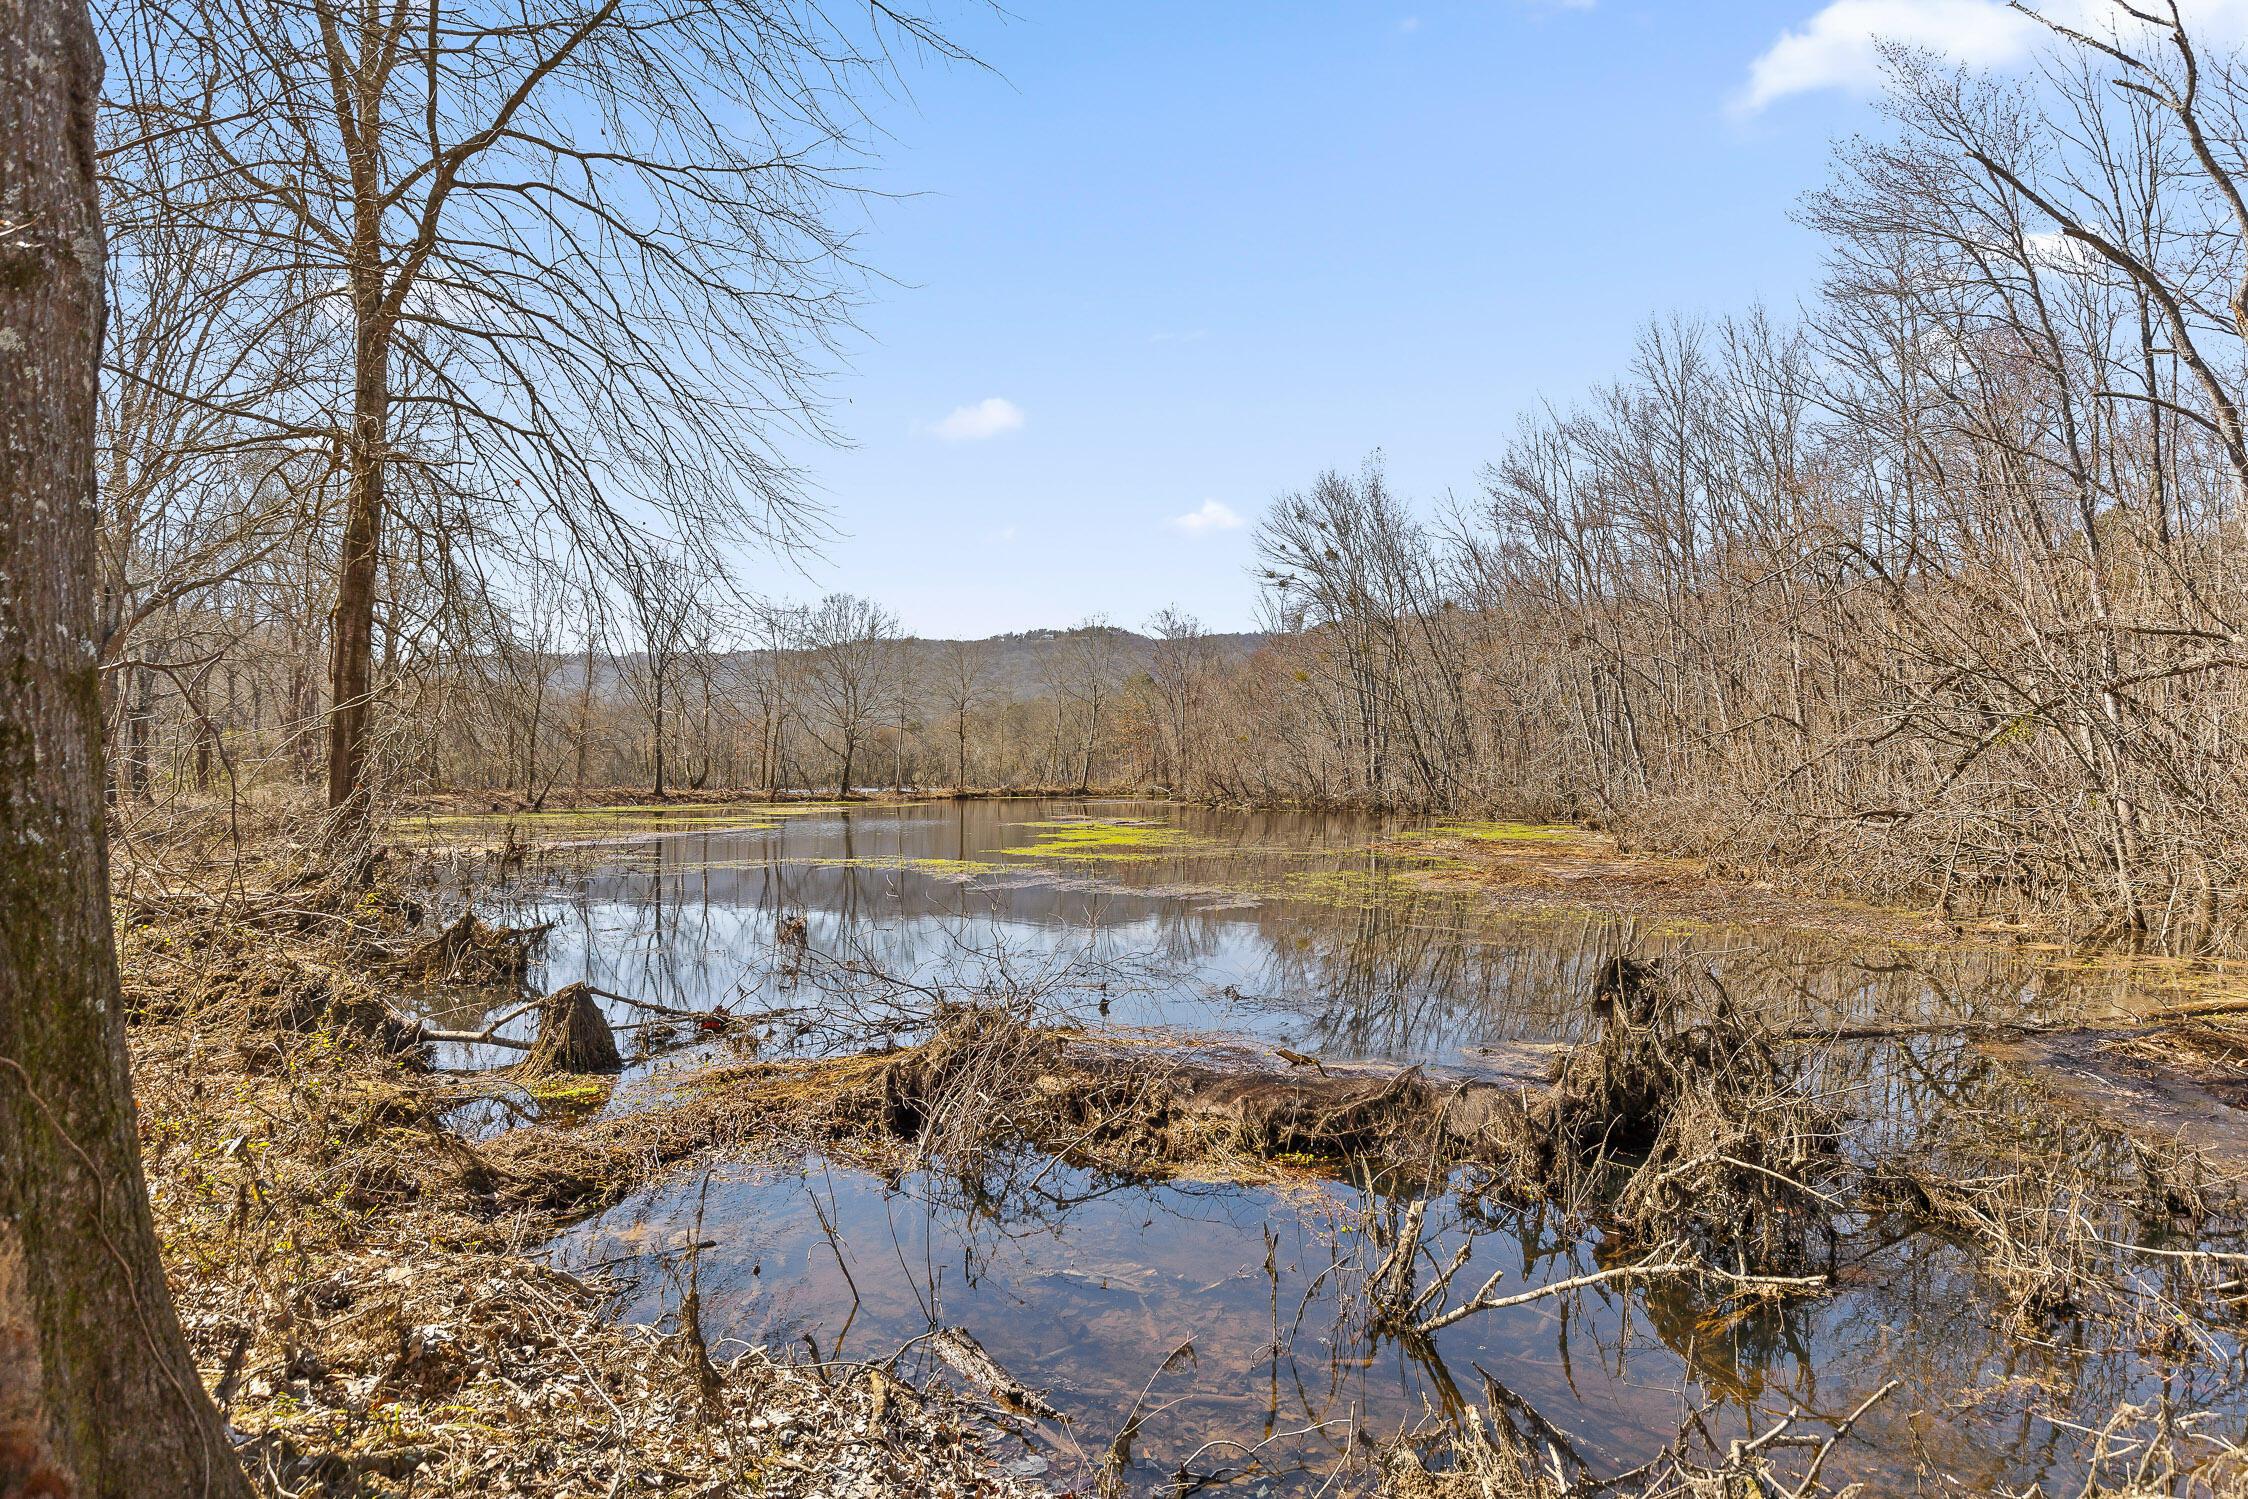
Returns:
(1818, 1459)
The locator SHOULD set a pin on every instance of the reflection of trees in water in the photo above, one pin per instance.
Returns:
(1396, 976)
(1408, 972)
(1979, 1400)
(1400, 972)
(1793, 980)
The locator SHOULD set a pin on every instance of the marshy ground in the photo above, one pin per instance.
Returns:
(1114, 1148)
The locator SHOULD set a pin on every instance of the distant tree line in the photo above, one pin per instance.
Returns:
(1934, 588)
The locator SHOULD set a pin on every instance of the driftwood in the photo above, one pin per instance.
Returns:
(957, 1347)
(582, 1038)
(419, 1031)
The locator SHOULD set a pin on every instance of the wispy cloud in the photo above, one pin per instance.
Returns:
(987, 418)
(1839, 46)
(1211, 517)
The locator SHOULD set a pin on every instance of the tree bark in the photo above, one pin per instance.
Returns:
(351, 668)
(574, 1036)
(98, 1396)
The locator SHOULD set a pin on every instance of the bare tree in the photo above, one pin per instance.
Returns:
(963, 682)
(903, 682)
(667, 597)
(1096, 657)
(578, 260)
(850, 661)
(1179, 669)
(1057, 674)
(772, 682)
(98, 1394)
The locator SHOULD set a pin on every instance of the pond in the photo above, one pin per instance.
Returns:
(1217, 1320)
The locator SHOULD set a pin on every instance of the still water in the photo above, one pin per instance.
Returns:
(1222, 1314)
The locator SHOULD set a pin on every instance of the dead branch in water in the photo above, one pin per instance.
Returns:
(1675, 1258)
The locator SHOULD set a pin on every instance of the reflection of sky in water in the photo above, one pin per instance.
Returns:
(1083, 1288)
(1290, 928)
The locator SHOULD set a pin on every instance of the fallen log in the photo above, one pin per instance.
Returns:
(957, 1347)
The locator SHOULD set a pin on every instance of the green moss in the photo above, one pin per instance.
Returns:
(566, 1089)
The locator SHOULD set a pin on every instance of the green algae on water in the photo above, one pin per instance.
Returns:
(1503, 832)
(1095, 838)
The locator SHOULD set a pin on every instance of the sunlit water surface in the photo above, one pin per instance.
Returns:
(1301, 931)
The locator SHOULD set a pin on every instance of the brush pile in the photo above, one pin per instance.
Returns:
(1714, 1135)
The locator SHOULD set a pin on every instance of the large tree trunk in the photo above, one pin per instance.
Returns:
(98, 1396)
(351, 664)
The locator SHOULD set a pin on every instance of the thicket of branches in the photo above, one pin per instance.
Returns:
(1939, 589)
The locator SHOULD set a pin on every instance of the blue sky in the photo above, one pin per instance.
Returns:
(1168, 260)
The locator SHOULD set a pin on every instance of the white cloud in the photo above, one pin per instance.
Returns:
(2055, 251)
(1836, 48)
(987, 418)
(1211, 517)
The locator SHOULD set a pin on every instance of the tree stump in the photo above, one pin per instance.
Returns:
(574, 1035)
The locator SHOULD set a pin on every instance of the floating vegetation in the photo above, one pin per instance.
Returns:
(1097, 838)
(607, 824)
(1505, 832)
(1345, 887)
(943, 869)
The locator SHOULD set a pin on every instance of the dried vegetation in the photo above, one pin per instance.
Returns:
(359, 1276)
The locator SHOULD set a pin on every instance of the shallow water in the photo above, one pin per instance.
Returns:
(1301, 931)
(1292, 928)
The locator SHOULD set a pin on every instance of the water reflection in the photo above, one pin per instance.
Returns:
(1291, 928)
(1299, 930)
